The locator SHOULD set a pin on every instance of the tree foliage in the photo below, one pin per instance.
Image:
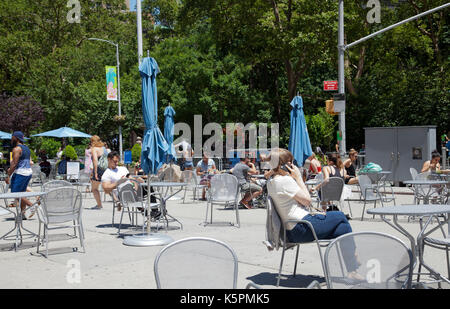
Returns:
(230, 61)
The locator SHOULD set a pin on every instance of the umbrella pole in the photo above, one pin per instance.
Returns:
(148, 205)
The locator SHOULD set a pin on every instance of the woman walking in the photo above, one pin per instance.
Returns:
(97, 151)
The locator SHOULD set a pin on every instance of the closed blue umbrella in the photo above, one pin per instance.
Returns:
(154, 146)
(299, 144)
(169, 112)
(64, 132)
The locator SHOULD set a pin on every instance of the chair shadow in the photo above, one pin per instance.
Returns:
(24, 246)
(56, 251)
(299, 281)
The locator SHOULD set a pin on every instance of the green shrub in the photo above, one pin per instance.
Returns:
(70, 153)
(79, 149)
(136, 152)
(50, 147)
(33, 156)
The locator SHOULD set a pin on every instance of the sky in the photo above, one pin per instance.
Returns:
(132, 5)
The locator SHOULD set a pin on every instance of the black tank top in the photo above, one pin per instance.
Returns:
(351, 170)
(334, 172)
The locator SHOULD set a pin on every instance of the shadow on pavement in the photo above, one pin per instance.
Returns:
(299, 281)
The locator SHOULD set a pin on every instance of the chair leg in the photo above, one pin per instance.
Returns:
(74, 229)
(281, 266)
(39, 238)
(296, 260)
(236, 207)
(114, 208)
(46, 240)
(207, 210)
(350, 208)
(448, 262)
(374, 206)
(120, 223)
(81, 238)
(364, 209)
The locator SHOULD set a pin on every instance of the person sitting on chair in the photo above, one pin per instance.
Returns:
(293, 202)
(205, 168)
(432, 165)
(349, 165)
(335, 168)
(114, 175)
(251, 189)
(62, 166)
(46, 167)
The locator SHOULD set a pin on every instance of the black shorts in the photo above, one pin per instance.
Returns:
(99, 174)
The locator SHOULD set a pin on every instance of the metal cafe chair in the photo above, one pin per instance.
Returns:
(196, 263)
(368, 260)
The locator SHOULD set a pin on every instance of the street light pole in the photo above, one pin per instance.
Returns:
(341, 76)
(118, 90)
(341, 53)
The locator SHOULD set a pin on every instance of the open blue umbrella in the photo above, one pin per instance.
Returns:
(63, 133)
(154, 146)
(4, 135)
(169, 112)
(299, 144)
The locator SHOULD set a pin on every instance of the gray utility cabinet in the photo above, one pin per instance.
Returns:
(397, 149)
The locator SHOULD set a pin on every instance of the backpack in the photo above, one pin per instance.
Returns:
(370, 168)
(103, 162)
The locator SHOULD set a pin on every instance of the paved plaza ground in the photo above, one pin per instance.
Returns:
(108, 263)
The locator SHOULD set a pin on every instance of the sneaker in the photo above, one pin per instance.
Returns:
(30, 211)
(96, 207)
(155, 214)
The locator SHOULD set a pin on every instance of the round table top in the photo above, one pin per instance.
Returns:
(258, 176)
(164, 184)
(380, 172)
(21, 194)
(411, 210)
(425, 182)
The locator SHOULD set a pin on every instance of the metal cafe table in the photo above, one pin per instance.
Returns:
(425, 182)
(156, 239)
(18, 224)
(428, 210)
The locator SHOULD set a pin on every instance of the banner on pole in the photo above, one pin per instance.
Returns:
(111, 83)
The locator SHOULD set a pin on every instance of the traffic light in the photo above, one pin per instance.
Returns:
(329, 106)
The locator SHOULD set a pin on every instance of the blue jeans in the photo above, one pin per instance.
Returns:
(329, 226)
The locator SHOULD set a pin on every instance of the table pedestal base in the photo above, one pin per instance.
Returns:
(147, 240)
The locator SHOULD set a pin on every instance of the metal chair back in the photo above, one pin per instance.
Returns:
(196, 263)
(84, 178)
(127, 194)
(331, 190)
(189, 178)
(368, 192)
(413, 172)
(61, 205)
(368, 260)
(224, 188)
(55, 184)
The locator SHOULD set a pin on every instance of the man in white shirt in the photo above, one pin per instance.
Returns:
(187, 153)
(113, 174)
